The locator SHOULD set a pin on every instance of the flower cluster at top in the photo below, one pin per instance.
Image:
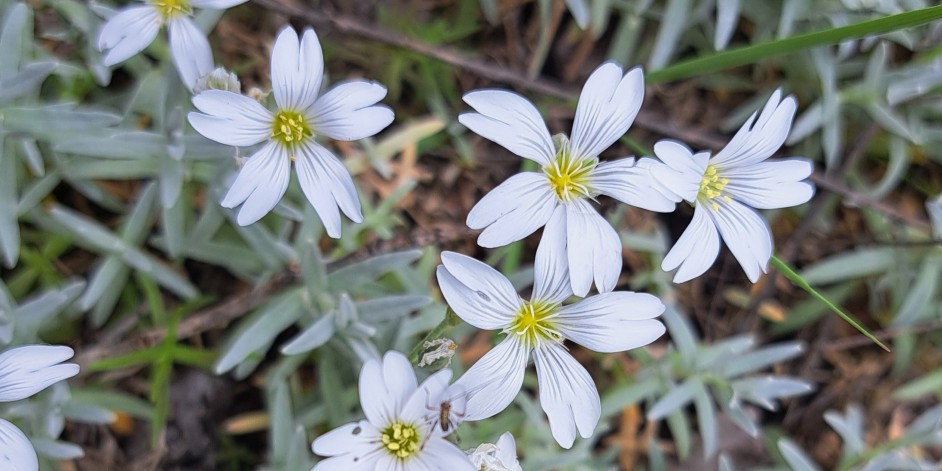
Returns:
(406, 423)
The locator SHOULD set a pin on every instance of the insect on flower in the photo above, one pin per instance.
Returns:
(448, 410)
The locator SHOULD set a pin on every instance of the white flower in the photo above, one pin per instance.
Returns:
(346, 112)
(608, 322)
(396, 433)
(571, 173)
(25, 371)
(496, 457)
(218, 79)
(725, 189)
(133, 28)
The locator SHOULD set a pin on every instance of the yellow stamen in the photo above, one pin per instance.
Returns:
(290, 128)
(534, 324)
(568, 175)
(169, 9)
(401, 440)
(712, 186)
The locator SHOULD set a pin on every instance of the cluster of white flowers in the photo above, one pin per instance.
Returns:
(25, 371)
(406, 423)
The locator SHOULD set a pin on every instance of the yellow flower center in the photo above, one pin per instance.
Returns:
(534, 324)
(568, 175)
(171, 8)
(290, 128)
(711, 187)
(401, 440)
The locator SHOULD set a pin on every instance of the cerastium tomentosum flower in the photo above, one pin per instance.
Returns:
(571, 173)
(25, 371)
(607, 322)
(133, 28)
(725, 189)
(346, 112)
(500, 456)
(397, 433)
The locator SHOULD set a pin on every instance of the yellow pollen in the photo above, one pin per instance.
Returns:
(290, 128)
(171, 8)
(712, 186)
(534, 324)
(401, 440)
(568, 175)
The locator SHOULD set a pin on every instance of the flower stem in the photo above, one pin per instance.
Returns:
(795, 278)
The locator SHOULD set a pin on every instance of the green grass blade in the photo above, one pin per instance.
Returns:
(757, 52)
(801, 283)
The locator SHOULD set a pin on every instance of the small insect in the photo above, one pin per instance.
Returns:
(447, 411)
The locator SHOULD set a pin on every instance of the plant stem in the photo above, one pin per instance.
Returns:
(800, 282)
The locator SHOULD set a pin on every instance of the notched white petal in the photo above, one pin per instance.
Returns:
(746, 234)
(593, 248)
(612, 322)
(511, 121)
(551, 267)
(607, 106)
(494, 381)
(328, 186)
(127, 33)
(349, 111)
(297, 69)
(27, 370)
(759, 138)
(190, 50)
(567, 394)
(513, 210)
(631, 183)
(696, 249)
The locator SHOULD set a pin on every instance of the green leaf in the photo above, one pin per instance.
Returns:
(758, 52)
(803, 284)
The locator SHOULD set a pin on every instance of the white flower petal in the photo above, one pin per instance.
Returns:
(385, 388)
(16, 451)
(507, 451)
(494, 381)
(771, 184)
(479, 294)
(230, 118)
(551, 267)
(297, 69)
(511, 121)
(759, 138)
(593, 248)
(130, 31)
(327, 185)
(190, 50)
(352, 447)
(580, 12)
(680, 171)
(513, 210)
(607, 106)
(216, 4)
(348, 111)
(440, 454)
(631, 184)
(424, 401)
(26, 370)
(261, 183)
(696, 249)
(612, 322)
(746, 234)
(567, 394)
